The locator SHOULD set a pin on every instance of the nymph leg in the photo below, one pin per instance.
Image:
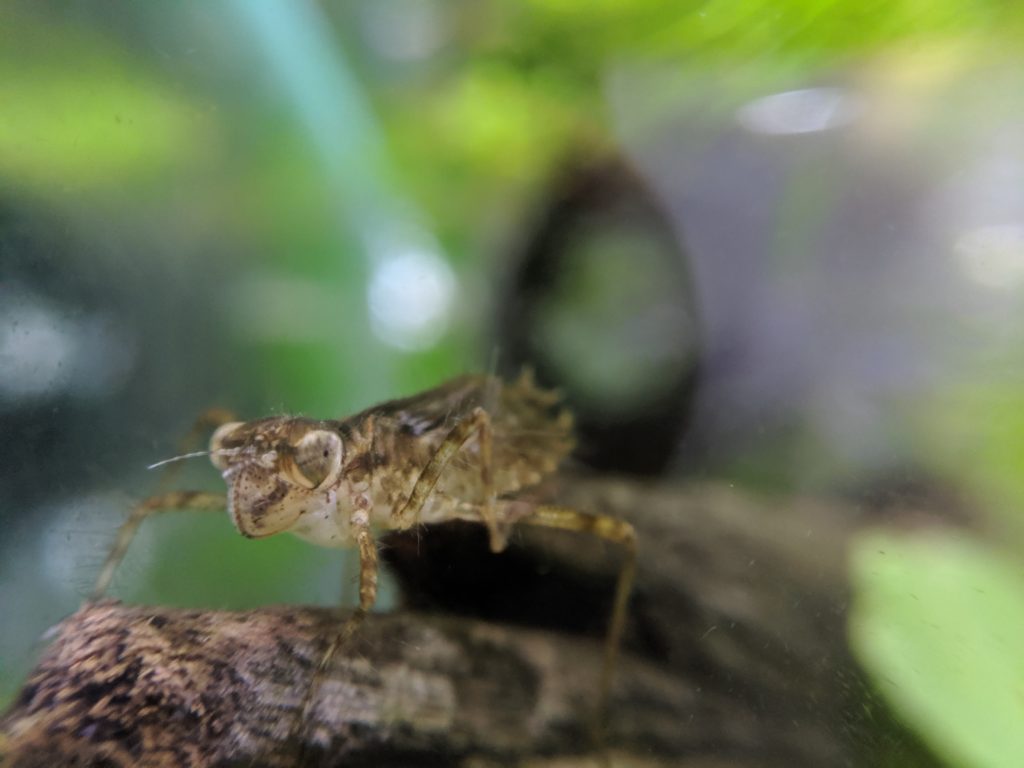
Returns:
(368, 570)
(478, 423)
(198, 500)
(611, 529)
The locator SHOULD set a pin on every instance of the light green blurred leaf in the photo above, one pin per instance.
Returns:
(719, 29)
(76, 111)
(938, 621)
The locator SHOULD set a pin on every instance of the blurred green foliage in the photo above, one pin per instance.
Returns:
(973, 431)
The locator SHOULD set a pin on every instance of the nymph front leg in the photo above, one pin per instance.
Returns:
(369, 568)
(368, 573)
(198, 500)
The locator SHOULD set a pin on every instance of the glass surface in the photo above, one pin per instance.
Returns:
(307, 208)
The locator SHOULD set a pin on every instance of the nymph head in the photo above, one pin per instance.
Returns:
(275, 470)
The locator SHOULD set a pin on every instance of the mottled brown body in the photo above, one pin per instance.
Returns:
(309, 477)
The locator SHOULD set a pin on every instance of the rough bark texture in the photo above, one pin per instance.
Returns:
(735, 655)
(125, 685)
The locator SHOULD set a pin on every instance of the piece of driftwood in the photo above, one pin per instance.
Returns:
(735, 655)
(130, 685)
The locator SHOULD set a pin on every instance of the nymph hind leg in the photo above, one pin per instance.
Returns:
(610, 529)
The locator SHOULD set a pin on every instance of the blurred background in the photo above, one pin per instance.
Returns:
(775, 244)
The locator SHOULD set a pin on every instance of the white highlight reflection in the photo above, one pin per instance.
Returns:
(803, 111)
(410, 296)
(993, 256)
(47, 350)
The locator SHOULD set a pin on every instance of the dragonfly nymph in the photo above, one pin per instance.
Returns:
(460, 451)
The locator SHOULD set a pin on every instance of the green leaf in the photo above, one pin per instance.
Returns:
(938, 621)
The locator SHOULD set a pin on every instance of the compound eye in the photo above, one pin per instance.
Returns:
(218, 456)
(318, 458)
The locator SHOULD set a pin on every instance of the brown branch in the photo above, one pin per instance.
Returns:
(736, 655)
(139, 686)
